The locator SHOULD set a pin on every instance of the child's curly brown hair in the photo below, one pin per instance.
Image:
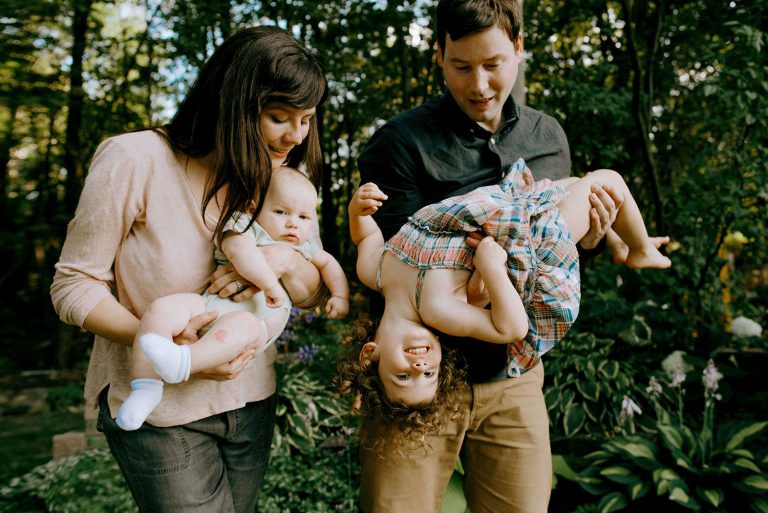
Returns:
(406, 426)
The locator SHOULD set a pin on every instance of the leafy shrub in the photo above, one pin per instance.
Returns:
(65, 396)
(309, 411)
(587, 384)
(89, 482)
(689, 466)
(320, 481)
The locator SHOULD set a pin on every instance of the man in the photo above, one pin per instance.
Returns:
(463, 140)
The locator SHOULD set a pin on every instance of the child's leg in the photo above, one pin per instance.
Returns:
(167, 316)
(628, 225)
(164, 317)
(230, 335)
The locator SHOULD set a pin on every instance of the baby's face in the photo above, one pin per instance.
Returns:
(289, 210)
(409, 363)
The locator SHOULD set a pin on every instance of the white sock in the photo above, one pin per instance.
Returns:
(145, 396)
(171, 361)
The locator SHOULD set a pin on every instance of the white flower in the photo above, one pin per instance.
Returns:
(312, 413)
(745, 327)
(629, 408)
(675, 368)
(654, 387)
(711, 376)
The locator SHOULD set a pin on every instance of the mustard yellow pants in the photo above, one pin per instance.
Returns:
(503, 442)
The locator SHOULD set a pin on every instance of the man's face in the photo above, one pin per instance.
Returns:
(480, 70)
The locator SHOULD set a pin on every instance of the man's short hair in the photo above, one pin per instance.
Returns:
(459, 18)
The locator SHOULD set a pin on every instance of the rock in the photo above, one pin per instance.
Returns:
(68, 444)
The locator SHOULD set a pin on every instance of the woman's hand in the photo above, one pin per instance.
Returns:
(231, 370)
(224, 372)
(189, 334)
(299, 276)
(225, 282)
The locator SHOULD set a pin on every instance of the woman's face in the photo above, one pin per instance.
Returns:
(283, 127)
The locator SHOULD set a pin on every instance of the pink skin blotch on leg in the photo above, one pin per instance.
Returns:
(220, 334)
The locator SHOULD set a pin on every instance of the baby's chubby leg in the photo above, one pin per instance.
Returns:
(232, 334)
(165, 317)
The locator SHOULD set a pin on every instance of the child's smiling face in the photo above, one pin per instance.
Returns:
(408, 358)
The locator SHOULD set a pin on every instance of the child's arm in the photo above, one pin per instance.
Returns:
(365, 233)
(333, 277)
(477, 293)
(249, 262)
(505, 322)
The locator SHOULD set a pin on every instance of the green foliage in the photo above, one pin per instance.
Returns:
(679, 466)
(309, 411)
(587, 384)
(318, 480)
(90, 482)
(65, 396)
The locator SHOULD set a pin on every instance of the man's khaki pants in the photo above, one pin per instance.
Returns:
(503, 441)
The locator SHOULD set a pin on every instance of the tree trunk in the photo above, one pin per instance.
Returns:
(6, 145)
(641, 113)
(72, 156)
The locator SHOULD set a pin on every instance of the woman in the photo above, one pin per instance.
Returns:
(152, 205)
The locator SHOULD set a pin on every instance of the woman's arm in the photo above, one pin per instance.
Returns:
(111, 320)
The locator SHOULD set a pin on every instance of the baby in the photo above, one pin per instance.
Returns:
(288, 216)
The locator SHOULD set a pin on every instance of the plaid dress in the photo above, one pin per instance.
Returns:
(523, 217)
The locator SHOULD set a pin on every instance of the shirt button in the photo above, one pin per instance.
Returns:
(493, 141)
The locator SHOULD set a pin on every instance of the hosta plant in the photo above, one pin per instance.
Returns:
(679, 467)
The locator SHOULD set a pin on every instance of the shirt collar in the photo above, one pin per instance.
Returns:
(463, 124)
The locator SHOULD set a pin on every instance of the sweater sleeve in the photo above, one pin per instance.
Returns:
(110, 203)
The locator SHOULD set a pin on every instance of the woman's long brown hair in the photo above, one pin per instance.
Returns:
(219, 117)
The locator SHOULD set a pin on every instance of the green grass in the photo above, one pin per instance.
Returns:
(27, 440)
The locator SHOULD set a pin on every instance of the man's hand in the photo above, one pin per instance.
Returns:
(605, 204)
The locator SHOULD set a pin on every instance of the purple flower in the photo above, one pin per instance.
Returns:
(306, 353)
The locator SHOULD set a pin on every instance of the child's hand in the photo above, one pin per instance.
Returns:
(477, 292)
(337, 307)
(366, 200)
(490, 257)
(273, 296)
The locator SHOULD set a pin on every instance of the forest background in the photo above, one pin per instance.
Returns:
(671, 93)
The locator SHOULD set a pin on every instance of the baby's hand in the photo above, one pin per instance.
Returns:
(490, 256)
(337, 307)
(273, 296)
(366, 200)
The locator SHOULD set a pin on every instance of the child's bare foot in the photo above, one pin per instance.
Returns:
(648, 257)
